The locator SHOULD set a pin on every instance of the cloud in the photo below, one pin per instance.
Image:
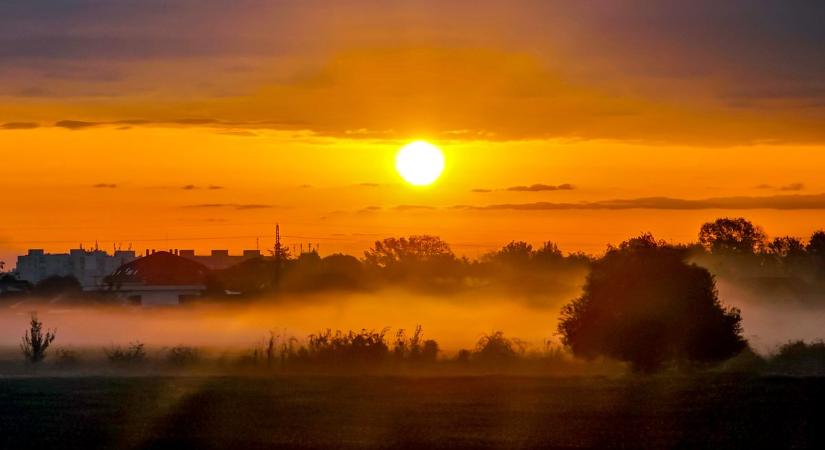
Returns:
(237, 206)
(541, 187)
(669, 71)
(189, 187)
(19, 125)
(779, 202)
(104, 185)
(238, 133)
(784, 187)
(213, 187)
(792, 187)
(369, 209)
(75, 124)
(412, 207)
(530, 188)
(369, 185)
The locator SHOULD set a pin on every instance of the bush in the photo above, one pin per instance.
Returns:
(182, 356)
(366, 346)
(494, 347)
(800, 358)
(35, 343)
(132, 355)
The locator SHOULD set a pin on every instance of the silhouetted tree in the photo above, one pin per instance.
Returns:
(735, 235)
(816, 244)
(35, 343)
(495, 347)
(786, 247)
(644, 305)
(413, 249)
(549, 253)
(516, 253)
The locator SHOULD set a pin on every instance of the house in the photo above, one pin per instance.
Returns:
(159, 279)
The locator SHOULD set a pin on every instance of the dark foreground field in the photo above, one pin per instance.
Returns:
(390, 412)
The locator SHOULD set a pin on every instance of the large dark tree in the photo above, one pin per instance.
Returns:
(734, 235)
(644, 305)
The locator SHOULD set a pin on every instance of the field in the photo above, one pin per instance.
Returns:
(407, 412)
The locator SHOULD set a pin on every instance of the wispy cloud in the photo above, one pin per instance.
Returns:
(412, 207)
(104, 185)
(782, 202)
(784, 187)
(541, 187)
(237, 206)
(19, 125)
(537, 187)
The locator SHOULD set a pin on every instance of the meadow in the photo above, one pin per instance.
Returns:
(706, 411)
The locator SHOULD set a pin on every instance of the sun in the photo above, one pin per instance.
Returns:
(419, 163)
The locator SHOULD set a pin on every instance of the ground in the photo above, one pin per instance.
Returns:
(405, 412)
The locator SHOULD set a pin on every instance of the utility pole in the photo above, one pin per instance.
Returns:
(278, 254)
(278, 251)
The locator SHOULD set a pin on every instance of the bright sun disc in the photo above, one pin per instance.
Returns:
(420, 163)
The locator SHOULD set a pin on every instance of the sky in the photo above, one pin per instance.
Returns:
(201, 124)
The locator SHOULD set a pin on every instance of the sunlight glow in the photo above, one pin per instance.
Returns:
(419, 163)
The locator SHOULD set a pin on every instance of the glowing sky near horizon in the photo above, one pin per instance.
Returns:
(201, 124)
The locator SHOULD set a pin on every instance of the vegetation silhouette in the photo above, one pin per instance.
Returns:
(58, 286)
(134, 354)
(643, 304)
(35, 342)
(735, 235)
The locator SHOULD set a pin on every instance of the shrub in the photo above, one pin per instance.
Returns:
(67, 358)
(496, 347)
(35, 343)
(800, 358)
(132, 355)
(366, 346)
(182, 356)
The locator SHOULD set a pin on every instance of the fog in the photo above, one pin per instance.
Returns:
(770, 321)
(455, 321)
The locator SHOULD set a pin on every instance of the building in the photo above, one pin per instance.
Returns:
(90, 267)
(159, 279)
(218, 259)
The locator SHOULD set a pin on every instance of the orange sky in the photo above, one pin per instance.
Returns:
(207, 122)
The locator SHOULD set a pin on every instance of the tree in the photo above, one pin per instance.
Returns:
(816, 244)
(514, 253)
(414, 249)
(644, 305)
(35, 343)
(495, 347)
(548, 253)
(786, 247)
(734, 235)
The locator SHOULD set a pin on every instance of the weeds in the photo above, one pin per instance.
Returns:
(133, 355)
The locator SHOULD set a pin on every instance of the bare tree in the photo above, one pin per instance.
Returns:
(35, 343)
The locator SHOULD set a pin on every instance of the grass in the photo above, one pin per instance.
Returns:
(709, 411)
